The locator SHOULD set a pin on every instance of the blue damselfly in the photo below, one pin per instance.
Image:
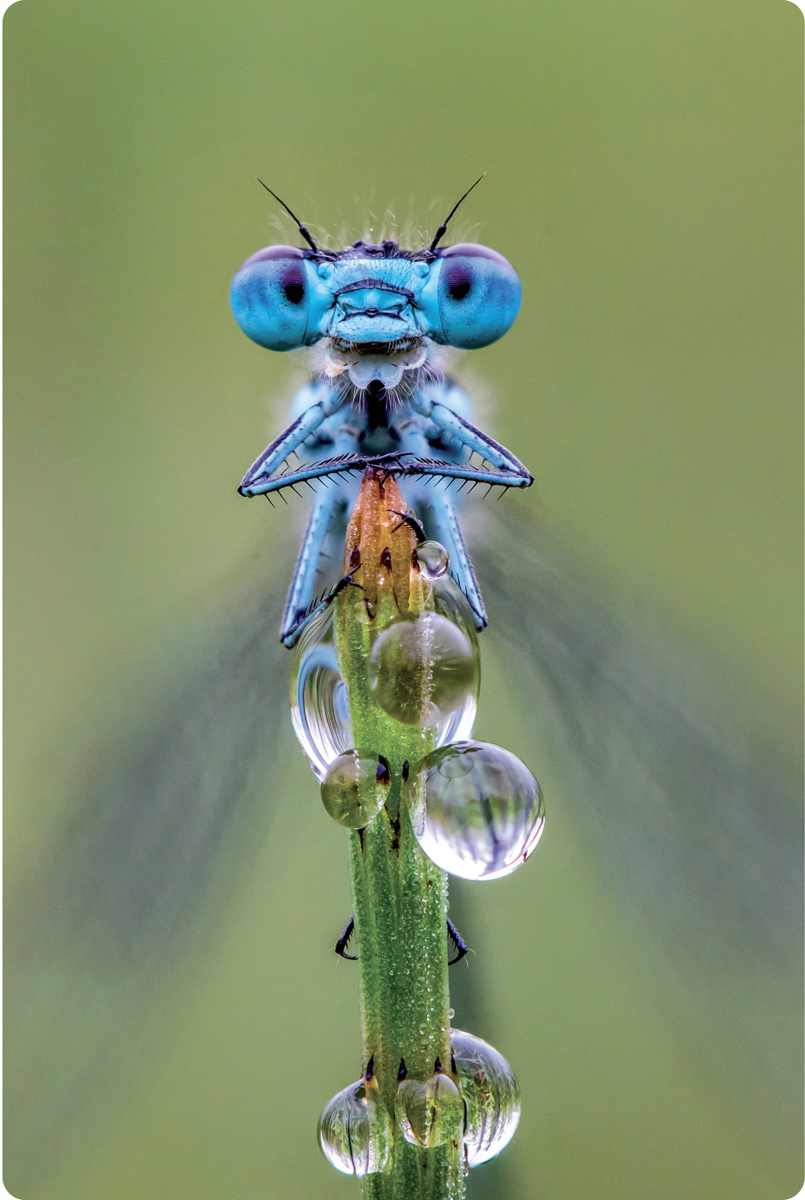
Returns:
(687, 817)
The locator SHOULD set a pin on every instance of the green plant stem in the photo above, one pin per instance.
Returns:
(400, 911)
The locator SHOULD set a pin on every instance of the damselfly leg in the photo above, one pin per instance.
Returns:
(425, 440)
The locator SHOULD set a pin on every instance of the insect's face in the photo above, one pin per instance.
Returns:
(378, 307)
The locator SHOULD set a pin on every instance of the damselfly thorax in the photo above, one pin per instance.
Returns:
(378, 397)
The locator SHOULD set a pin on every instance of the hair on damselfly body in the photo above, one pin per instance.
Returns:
(709, 871)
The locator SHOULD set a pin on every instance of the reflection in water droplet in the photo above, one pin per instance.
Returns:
(355, 788)
(455, 766)
(319, 706)
(431, 1112)
(355, 1130)
(422, 670)
(433, 559)
(449, 602)
(478, 823)
(490, 1093)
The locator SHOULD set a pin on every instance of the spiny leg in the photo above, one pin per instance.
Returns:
(442, 525)
(460, 431)
(411, 522)
(458, 941)
(341, 944)
(455, 937)
(261, 476)
(300, 593)
(316, 609)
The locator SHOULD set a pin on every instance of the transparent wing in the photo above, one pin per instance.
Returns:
(693, 818)
(699, 816)
(158, 831)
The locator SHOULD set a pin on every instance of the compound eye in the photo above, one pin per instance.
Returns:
(269, 297)
(479, 295)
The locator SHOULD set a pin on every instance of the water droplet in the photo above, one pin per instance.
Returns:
(433, 559)
(451, 1012)
(355, 788)
(319, 705)
(476, 809)
(424, 669)
(431, 1112)
(355, 1130)
(490, 1093)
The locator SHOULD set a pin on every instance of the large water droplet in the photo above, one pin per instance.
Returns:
(355, 788)
(423, 669)
(476, 809)
(319, 704)
(449, 602)
(431, 1112)
(491, 1096)
(355, 1130)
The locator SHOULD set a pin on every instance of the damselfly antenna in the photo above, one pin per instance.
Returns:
(303, 228)
(442, 230)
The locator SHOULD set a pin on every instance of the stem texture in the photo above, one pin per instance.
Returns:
(400, 896)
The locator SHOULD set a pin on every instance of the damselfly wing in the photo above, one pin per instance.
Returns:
(691, 821)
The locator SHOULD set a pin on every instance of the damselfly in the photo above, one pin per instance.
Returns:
(653, 765)
(692, 823)
(377, 315)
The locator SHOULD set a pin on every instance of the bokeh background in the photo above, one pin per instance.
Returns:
(644, 176)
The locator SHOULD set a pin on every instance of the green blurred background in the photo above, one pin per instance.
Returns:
(644, 176)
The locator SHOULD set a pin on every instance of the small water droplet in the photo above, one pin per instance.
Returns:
(431, 1112)
(433, 559)
(355, 1130)
(355, 788)
(451, 1012)
(476, 810)
(319, 705)
(491, 1095)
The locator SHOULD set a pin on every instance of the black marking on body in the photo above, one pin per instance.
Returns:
(376, 400)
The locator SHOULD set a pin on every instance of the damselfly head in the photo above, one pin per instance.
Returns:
(367, 301)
